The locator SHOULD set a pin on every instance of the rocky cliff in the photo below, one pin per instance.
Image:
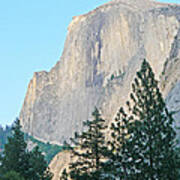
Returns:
(103, 50)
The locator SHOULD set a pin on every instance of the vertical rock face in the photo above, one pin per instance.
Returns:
(102, 53)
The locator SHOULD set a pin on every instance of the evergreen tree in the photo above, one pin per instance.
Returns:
(152, 134)
(88, 151)
(14, 156)
(38, 165)
(119, 162)
(12, 175)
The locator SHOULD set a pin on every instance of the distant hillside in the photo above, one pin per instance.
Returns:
(48, 149)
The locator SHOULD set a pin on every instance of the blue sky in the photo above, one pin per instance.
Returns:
(32, 35)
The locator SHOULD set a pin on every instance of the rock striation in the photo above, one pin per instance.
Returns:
(103, 50)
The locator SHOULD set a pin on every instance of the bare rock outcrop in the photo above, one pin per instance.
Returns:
(103, 50)
(59, 162)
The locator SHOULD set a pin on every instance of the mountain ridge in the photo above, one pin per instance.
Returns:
(102, 52)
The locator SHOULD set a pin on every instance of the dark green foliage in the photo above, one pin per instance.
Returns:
(37, 164)
(64, 175)
(152, 134)
(177, 151)
(112, 76)
(50, 150)
(12, 175)
(142, 144)
(16, 158)
(89, 150)
(118, 164)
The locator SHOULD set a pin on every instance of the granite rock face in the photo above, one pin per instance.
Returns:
(103, 50)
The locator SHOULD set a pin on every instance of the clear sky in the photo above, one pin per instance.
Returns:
(32, 35)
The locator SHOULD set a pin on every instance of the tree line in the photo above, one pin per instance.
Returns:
(17, 163)
(142, 143)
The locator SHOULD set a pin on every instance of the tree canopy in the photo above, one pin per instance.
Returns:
(142, 143)
(89, 150)
(16, 159)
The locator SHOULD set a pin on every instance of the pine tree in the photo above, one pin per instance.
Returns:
(12, 175)
(38, 165)
(14, 156)
(17, 159)
(118, 164)
(152, 134)
(88, 151)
